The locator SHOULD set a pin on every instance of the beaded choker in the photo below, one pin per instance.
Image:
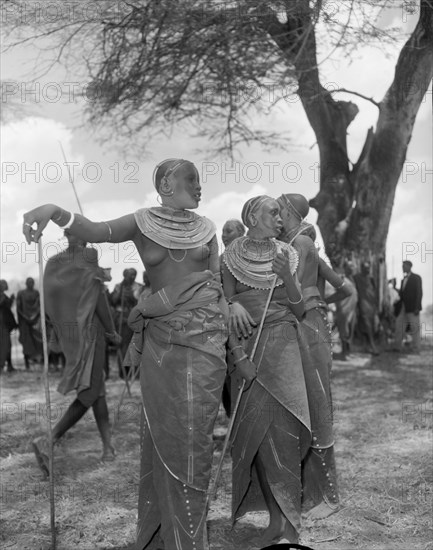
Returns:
(175, 229)
(300, 229)
(250, 261)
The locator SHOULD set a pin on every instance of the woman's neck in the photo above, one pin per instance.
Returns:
(257, 235)
(170, 204)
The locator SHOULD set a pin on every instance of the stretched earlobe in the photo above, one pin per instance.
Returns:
(165, 188)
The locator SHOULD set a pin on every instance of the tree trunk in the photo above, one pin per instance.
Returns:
(355, 204)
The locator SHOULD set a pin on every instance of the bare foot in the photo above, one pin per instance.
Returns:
(108, 454)
(41, 449)
(277, 530)
(322, 511)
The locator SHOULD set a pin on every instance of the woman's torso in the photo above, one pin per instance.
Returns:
(166, 266)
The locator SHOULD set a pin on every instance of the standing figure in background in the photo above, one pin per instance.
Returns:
(232, 229)
(7, 325)
(367, 305)
(319, 476)
(391, 308)
(29, 321)
(124, 297)
(410, 307)
(146, 289)
(346, 312)
(78, 312)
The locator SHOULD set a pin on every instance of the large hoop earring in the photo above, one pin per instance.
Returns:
(168, 193)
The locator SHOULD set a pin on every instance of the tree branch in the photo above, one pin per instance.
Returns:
(357, 94)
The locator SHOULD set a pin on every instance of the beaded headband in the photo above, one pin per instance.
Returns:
(286, 202)
(170, 170)
(251, 206)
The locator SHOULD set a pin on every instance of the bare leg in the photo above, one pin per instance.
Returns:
(100, 411)
(370, 339)
(10, 367)
(279, 527)
(41, 445)
(75, 411)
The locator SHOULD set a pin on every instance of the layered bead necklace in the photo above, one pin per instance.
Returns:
(250, 260)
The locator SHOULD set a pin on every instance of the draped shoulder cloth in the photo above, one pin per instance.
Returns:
(175, 229)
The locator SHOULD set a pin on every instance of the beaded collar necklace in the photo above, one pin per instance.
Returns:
(174, 229)
(250, 260)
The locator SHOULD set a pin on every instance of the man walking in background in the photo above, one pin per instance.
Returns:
(410, 307)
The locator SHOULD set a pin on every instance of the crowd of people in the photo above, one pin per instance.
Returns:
(249, 326)
(120, 301)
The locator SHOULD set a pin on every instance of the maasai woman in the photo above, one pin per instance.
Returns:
(183, 356)
(272, 427)
(320, 494)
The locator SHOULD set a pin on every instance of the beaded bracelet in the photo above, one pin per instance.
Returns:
(109, 231)
(244, 356)
(69, 223)
(55, 220)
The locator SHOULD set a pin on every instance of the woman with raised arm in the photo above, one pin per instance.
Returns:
(272, 426)
(320, 494)
(183, 356)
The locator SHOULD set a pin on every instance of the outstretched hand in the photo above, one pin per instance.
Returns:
(39, 216)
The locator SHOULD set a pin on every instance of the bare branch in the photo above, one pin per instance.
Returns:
(357, 94)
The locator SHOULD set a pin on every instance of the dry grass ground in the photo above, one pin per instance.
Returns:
(383, 423)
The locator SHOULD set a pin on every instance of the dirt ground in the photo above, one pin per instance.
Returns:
(383, 425)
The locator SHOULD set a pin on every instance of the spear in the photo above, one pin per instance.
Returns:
(47, 397)
(212, 490)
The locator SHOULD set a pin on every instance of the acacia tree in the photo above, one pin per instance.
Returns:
(155, 65)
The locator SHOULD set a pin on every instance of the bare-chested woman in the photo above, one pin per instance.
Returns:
(183, 356)
(320, 492)
(272, 427)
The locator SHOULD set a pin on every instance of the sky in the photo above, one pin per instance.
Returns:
(111, 183)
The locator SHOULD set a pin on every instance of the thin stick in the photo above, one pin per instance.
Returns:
(212, 491)
(47, 397)
(122, 397)
(71, 179)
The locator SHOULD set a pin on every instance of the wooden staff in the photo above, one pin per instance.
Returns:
(47, 397)
(212, 490)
